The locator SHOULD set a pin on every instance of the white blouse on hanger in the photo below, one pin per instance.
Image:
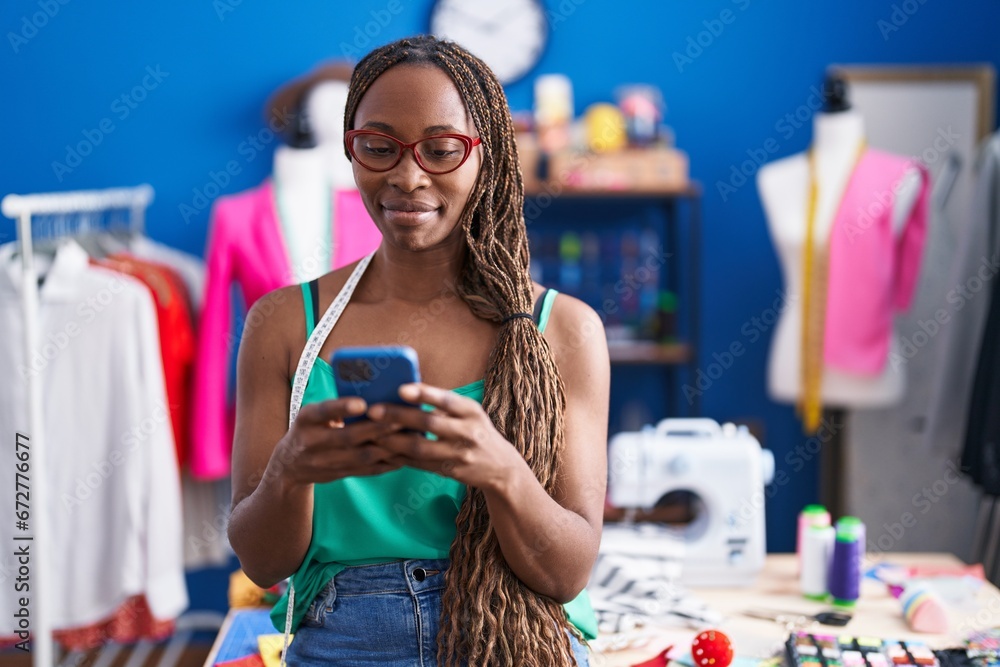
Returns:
(114, 491)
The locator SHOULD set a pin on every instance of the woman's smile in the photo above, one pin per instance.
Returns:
(408, 212)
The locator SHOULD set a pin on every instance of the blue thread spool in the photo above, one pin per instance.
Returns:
(845, 569)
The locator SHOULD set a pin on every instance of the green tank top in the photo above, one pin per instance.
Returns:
(401, 514)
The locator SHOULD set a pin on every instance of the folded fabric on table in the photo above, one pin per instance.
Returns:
(636, 581)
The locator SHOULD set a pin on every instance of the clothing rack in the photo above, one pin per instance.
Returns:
(23, 208)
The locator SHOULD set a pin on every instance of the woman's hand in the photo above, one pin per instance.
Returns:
(468, 449)
(319, 447)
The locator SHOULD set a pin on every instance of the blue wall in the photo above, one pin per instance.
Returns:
(218, 62)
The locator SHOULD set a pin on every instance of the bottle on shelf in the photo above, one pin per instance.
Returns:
(666, 317)
(570, 274)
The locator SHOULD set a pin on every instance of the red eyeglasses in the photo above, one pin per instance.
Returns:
(437, 154)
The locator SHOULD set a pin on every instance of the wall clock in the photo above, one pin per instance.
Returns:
(509, 35)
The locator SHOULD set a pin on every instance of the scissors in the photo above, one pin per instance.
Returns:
(835, 618)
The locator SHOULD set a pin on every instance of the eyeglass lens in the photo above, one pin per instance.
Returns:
(434, 153)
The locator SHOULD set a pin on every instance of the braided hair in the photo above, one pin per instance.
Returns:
(489, 617)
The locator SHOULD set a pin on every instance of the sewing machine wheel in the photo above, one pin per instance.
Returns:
(683, 511)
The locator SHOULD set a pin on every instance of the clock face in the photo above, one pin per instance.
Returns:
(509, 35)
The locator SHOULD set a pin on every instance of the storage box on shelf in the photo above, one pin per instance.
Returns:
(656, 169)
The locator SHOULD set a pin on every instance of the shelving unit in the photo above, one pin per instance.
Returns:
(649, 352)
(671, 356)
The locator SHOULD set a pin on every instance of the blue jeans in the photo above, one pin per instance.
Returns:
(385, 614)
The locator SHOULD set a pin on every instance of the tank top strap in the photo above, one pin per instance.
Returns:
(310, 304)
(320, 332)
(543, 308)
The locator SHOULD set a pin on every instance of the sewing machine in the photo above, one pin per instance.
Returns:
(718, 473)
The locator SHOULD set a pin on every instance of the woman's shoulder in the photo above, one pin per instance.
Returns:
(273, 322)
(277, 320)
(291, 297)
(570, 320)
(564, 304)
(575, 333)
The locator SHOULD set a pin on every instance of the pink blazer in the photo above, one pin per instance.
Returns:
(246, 247)
(873, 271)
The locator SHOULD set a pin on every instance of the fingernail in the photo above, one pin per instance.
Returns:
(409, 391)
(376, 411)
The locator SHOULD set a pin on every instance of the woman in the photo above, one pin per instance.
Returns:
(473, 547)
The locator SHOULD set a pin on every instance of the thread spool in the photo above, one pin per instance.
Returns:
(845, 568)
(811, 515)
(817, 552)
(923, 610)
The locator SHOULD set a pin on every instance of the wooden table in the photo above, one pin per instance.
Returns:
(876, 614)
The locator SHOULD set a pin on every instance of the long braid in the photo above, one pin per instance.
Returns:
(489, 616)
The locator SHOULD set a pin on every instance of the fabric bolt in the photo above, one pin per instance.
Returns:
(873, 271)
(246, 248)
(177, 336)
(111, 468)
(399, 515)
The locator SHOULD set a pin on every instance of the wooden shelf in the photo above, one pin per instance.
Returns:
(648, 352)
(680, 209)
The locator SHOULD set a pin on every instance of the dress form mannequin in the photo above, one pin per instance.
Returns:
(784, 188)
(326, 105)
(306, 176)
(302, 200)
(295, 226)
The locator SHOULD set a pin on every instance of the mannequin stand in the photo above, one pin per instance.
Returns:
(832, 463)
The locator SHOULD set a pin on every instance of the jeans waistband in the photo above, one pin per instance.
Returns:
(413, 576)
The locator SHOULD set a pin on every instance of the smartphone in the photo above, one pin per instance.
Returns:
(374, 373)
